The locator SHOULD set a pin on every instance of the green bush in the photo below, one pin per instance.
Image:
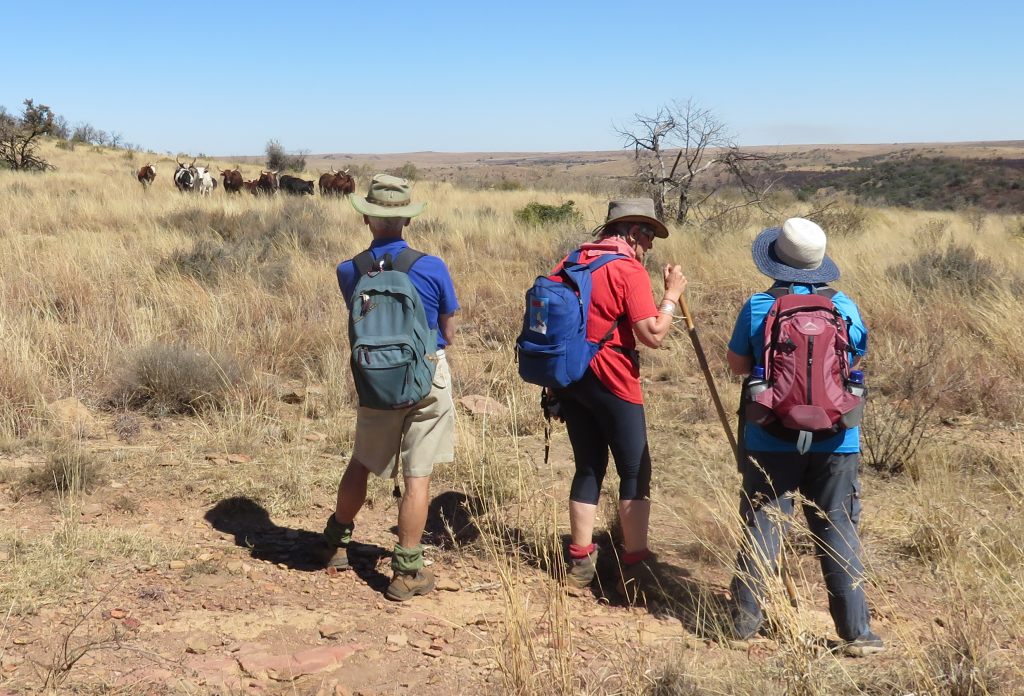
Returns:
(543, 214)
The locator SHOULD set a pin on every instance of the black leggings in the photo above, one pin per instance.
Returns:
(597, 421)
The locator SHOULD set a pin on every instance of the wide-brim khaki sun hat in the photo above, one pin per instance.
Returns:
(794, 253)
(634, 210)
(388, 197)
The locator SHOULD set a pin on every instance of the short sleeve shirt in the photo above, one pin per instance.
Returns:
(429, 276)
(620, 290)
(748, 340)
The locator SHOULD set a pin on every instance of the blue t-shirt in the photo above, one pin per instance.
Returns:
(429, 276)
(748, 340)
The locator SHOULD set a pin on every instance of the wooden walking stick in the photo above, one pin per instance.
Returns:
(702, 359)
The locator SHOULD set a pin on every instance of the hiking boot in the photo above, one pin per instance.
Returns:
(867, 644)
(334, 557)
(743, 626)
(638, 581)
(332, 550)
(405, 586)
(582, 570)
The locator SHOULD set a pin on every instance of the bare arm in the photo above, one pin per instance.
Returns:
(448, 326)
(653, 330)
(739, 364)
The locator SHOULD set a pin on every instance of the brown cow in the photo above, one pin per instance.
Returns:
(252, 187)
(267, 183)
(336, 183)
(146, 175)
(232, 180)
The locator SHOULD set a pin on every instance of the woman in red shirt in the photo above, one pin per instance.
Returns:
(604, 410)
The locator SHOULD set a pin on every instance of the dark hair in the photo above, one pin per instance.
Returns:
(614, 229)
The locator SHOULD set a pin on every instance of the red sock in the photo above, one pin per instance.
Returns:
(632, 557)
(581, 551)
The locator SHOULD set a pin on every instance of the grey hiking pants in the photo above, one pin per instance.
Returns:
(831, 484)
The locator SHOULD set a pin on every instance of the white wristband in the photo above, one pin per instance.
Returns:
(668, 307)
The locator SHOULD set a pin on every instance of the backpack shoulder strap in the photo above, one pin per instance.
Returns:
(778, 291)
(364, 262)
(602, 260)
(405, 259)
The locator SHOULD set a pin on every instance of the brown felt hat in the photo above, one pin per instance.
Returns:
(635, 210)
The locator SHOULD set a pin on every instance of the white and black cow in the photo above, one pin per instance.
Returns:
(185, 177)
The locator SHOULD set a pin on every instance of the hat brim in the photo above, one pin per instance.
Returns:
(386, 211)
(768, 262)
(660, 231)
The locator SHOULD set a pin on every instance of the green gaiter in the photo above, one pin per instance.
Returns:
(407, 561)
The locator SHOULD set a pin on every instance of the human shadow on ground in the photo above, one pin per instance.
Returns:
(296, 549)
(666, 590)
(450, 522)
(449, 525)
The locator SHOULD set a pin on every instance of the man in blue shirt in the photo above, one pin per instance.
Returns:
(827, 475)
(422, 434)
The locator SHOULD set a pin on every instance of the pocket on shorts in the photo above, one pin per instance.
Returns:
(442, 375)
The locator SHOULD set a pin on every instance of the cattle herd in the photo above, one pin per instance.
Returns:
(192, 179)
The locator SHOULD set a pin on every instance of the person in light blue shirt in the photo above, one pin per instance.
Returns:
(827, 474)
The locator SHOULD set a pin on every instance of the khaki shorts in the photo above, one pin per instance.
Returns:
(423, 434)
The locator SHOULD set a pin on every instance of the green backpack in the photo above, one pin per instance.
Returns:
(393, 348)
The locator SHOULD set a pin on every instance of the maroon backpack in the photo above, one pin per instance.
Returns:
(806, 349)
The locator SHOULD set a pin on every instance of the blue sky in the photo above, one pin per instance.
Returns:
(223, 77)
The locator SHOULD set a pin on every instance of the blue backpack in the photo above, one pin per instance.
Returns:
(553, 348)
(393, 348)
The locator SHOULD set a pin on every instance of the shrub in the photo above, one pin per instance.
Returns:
(68, 469)
(176, 378)
(406, 171)
(279, 160)
(508, 185)
(842, 221)
(958, 267)
(542, 214)
(249, 242)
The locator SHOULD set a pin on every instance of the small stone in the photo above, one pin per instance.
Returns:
(131, 623)
(235, 567)
(420, 643)
(177, 565)
(118, 613)
(199, 643)
(239, 458)
(432, 652)
(478, 405)
(399, 639)
(447, 585)
(314, 437)
(204, 557)
(333, 630)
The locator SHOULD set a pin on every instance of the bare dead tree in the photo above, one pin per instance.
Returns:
(684, 156)
(19, 137)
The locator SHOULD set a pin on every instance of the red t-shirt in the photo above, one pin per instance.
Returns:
(620, 289)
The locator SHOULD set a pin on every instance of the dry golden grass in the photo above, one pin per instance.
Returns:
(96, 274)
